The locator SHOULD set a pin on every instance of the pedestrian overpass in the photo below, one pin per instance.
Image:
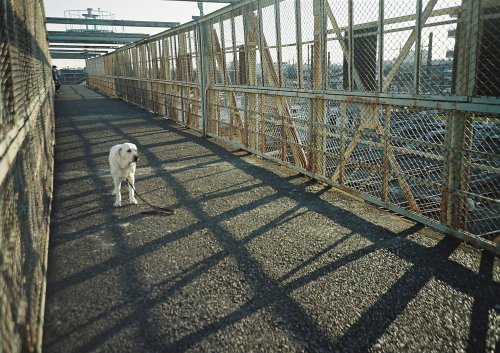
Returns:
(306, 145)
(395, 104)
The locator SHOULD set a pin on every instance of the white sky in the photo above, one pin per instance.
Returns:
(147, 10)
(182, 11)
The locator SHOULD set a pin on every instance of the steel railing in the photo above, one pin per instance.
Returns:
(397, 102)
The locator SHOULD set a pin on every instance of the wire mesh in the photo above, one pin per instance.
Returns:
(488, 78)
(288, 38)
(26, 172)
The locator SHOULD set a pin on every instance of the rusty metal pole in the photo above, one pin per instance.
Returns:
(317, 130)
(459, 124)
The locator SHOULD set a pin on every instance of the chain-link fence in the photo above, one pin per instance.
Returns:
(395, 101)
(26, 172)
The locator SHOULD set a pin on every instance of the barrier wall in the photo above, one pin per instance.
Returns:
(26, 172)
(397, 102)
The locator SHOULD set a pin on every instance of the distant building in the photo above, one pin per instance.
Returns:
(72, 76)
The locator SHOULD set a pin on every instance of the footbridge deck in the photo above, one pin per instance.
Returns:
(257, 257)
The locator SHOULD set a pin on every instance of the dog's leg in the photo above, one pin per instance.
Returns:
(114, 182)
(131, 196)
(116, 191)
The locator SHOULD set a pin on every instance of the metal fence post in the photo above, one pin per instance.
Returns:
(250, 37)
(418, 34)
(459, 124)
(261, 42)
(350, 31)
(298, 36)
(317, 163)
(203, 98)
(277, 19)
(380, 54)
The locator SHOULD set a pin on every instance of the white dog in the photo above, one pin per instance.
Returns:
(122, 161)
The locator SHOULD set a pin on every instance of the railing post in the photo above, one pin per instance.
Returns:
(261, 42)
(418, 38)
(251, 31)
(203, 98)
(298, 36)
(459, 124)
(380, 53)
(317, 163)
(350, 39)
(277, 19)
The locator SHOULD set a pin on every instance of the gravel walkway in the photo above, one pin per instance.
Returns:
(257, 258)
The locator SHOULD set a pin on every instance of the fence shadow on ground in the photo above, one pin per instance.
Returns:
(269, 292)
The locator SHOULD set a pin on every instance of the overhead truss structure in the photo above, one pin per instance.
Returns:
(94, 37)
(105, 22)
(84, 37)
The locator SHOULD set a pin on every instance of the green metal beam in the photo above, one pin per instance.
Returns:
(216, 1)
(76, 46)
(72, 56)
(103, 22)
(94, 37)
(58, 51)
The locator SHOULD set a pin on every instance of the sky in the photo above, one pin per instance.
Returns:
(182, 11)
(148, 10)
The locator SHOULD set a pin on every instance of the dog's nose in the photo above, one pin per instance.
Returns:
(136, 158)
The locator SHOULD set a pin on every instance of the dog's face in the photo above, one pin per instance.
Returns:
(128, 153)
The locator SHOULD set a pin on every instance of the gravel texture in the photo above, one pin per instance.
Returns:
(257, 258)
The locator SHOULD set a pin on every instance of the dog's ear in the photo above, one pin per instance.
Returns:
(119, 152)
